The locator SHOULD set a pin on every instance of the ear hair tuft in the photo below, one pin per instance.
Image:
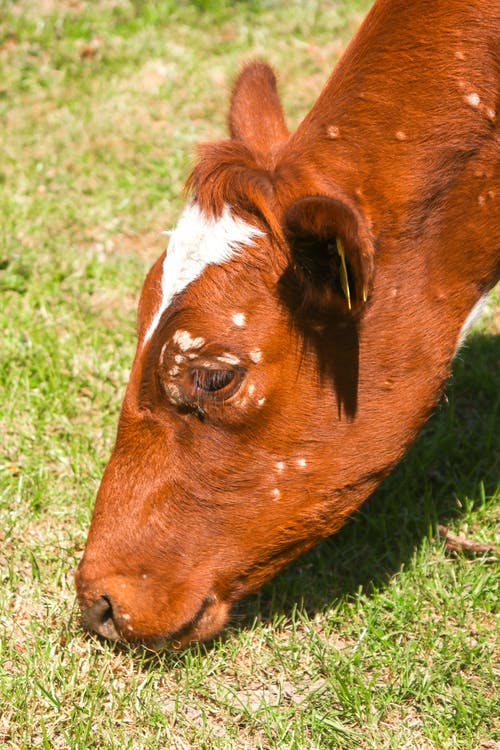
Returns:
(332, 252)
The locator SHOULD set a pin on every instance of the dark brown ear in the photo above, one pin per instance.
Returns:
(255, 114)
(333, 253)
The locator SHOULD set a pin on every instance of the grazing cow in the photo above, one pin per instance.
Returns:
(300, 327)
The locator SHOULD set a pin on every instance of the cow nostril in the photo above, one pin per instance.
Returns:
(99, 618)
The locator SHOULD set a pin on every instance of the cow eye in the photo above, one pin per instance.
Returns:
(218, 383)
(212, 380)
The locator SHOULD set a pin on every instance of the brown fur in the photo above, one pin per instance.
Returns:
(399, 159)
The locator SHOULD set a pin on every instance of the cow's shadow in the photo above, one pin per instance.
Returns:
(455, 459)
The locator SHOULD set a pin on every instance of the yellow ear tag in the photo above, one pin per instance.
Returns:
(344, 280)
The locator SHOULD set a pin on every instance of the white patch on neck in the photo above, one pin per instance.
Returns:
(197, 242)
(473, 100)
(471, 317)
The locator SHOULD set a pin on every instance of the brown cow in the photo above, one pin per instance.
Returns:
(299, 330)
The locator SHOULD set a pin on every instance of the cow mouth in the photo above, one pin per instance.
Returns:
(187, 632)
(205, 624)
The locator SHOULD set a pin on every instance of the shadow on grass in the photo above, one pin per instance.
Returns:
(454, 462)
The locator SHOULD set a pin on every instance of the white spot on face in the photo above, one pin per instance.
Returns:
(228, 359)
(239, 319)
(302, 463)
(163, 349)
(401, 136)
(256, 356)
(333, 131)
(173, 393)
(179, 358)
(473, 100)
(251, 389)
(197, 242)
(174, 371)
(126, 617)
(276, 493)
(261, 401)
(280, 465)
(185, 341)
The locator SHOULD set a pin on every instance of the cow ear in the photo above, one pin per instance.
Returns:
(255, 115)
(332, 253)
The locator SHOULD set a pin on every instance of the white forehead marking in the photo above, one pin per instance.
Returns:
(280, 465)
(302, 462)
(256, 356)
(185, 341)
(276, 493)
(239, 319)
(197, 242)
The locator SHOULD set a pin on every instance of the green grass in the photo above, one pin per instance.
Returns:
(376, 639)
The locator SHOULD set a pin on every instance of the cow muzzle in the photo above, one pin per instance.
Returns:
(118, 616)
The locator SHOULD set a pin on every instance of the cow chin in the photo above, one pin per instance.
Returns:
(204, 625)
(209, 620)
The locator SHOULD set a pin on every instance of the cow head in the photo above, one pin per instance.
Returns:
(298, 331)
(229, 457)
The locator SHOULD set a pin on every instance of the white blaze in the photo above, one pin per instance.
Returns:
(197, 242)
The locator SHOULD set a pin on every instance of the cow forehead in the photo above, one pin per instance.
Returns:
(198, 241)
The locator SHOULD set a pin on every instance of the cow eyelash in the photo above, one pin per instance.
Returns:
(218, 384)
(212, 381)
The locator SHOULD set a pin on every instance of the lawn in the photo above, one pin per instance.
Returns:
(379, 638)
